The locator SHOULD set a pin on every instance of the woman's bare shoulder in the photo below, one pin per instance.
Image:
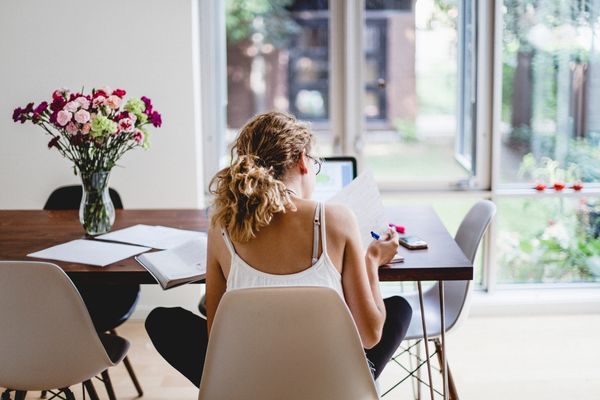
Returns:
(339, 217)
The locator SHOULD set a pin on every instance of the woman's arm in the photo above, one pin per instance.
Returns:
(360, 278)
(215, 280)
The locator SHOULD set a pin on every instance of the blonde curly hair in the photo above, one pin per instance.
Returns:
(249, 191)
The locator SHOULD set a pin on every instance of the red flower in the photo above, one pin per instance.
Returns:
(41, 107)
(156, 119)
(119, 92)
(148, 103)
(558, 186)
(98, 93)
(540, 187)
(17, 114)
(578, 186)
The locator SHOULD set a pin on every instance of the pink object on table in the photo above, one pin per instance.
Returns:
(398, 228)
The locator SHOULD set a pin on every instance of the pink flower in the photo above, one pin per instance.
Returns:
(126, 125)
(98, 101)
(138, 136)
(71, 106)
(63, 117)
(85, 129)
(71, 128)
(82, 116)
(114, 102)
(83, 102)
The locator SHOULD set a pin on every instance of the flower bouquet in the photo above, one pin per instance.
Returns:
(93, 131)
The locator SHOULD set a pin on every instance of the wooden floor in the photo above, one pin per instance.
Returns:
(547, 357)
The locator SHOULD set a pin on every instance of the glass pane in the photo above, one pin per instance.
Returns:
(277, 59)
(551, 92)
(549, 240)
(411, 58)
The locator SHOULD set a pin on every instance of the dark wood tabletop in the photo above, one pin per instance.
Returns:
(24, 232)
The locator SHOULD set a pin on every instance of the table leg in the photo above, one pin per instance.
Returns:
(443, 332)
(425, 338)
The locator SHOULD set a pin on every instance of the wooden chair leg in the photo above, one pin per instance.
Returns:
(20, 395)
(452, 392)
(136, 383)
(89, 386)
(108, 385)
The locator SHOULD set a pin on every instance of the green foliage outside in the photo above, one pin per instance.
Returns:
(549, 240)
(270, 18)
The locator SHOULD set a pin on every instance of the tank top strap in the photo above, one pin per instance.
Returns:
(323, 234)
(316, 231)
(227, 241)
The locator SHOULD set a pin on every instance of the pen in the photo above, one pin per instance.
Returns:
(374, 235)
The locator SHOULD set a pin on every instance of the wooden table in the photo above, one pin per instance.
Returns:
(24, 232)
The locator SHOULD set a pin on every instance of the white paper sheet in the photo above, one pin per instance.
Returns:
(155, 236)
(91, 252)
(363, 197)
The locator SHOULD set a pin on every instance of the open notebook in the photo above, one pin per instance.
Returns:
(179, 265)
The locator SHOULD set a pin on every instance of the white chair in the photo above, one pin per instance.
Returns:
(456, 293)
(292, 343)
(47, 339)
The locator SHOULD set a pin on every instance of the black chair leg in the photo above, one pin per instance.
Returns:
(20, 395)
(89, 386)
(130, 370)
(136, 383)
(5, 395)
(43, 395)
(108, 385)
(68, 394)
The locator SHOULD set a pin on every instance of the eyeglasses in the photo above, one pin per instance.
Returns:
(318, 163)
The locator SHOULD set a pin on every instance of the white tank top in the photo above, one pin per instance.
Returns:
(322, 272)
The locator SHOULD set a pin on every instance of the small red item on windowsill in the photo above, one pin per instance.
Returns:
(558, 186)
(577, 186)
(540, 187)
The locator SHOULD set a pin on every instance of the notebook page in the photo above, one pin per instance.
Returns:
(182, 261)
(362, 196)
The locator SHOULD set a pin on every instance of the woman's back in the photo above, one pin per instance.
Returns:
(291, 251)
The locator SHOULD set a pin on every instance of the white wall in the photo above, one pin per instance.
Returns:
(143, 46)
(147, 47)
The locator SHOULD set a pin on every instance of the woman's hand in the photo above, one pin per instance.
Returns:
(382, 251)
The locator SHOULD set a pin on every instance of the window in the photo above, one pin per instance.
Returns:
(551, 90)
(550, 136)
(411, 54)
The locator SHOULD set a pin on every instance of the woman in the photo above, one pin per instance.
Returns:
(265, 231)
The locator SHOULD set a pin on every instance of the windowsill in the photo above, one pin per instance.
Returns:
(540, 301)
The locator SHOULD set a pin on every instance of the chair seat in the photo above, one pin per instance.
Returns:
(432, 319)
(116, 346)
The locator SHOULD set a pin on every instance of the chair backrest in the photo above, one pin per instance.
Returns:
(468, 237)
(285, 343)
(47, 339)
(69, 198)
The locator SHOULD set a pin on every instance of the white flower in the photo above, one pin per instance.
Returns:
(71, 106)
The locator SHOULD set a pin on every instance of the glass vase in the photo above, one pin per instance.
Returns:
(96, 212)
